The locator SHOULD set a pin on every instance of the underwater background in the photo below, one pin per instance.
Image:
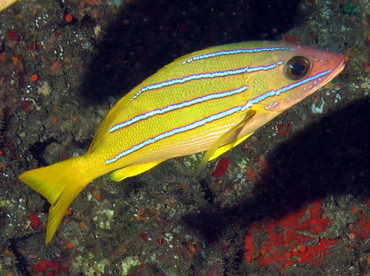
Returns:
(294, 199)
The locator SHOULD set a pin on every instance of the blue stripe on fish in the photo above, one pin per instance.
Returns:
(176, 106)
(235, 51)
(208, 75)
(319, 77)
(174, 131)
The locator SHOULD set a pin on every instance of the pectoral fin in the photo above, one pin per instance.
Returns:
(216, 150)
(229, 146)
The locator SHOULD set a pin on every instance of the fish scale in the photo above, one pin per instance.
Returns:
(210, 100)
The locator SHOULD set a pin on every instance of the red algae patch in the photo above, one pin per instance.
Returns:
(290, 240)
(35, 221)
(51, 268)
(221, 167)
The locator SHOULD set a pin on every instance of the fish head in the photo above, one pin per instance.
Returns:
(302, 70)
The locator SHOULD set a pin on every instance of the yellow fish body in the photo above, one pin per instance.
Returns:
(210, 100)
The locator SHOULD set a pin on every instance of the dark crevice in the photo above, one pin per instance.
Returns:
(37, 150)
(208, 193)
(22, 264)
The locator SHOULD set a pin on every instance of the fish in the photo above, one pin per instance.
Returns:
(4, 4)
(207, 101)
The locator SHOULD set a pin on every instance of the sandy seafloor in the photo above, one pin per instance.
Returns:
(294, 200)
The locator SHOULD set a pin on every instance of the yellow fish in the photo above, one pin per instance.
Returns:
(210, 100)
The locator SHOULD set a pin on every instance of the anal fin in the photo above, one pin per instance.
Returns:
(133, 170)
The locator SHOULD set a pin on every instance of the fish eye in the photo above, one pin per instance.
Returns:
(297, 68)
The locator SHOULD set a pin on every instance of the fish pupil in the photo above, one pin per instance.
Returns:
(297, 68)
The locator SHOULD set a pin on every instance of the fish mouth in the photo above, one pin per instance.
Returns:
(337, 70)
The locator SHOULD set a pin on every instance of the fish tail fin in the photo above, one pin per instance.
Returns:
(59, 183)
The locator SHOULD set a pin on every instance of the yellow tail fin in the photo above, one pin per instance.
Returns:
(59, 184)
